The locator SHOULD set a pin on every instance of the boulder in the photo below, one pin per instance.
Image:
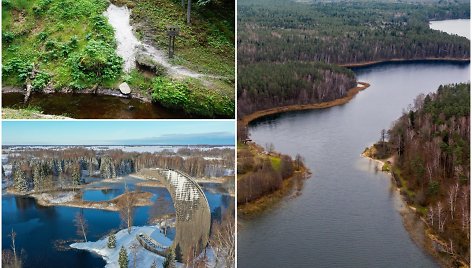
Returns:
(124, 88)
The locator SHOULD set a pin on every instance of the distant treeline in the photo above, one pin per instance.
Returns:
(273, 34)
(45, 169)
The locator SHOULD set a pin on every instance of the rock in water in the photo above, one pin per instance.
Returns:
(124, 88)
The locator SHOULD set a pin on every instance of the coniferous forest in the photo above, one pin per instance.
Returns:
(279, 38)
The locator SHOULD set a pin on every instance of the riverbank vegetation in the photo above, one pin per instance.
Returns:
(430, 143)
(261, 173)
(273, 34)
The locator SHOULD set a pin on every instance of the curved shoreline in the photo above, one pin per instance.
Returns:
(371, 63)
(299, 107)
(432, 240)
(99, 91)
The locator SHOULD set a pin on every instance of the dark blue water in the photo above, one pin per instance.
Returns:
(40, 229)
(348, 215)
(101, 195)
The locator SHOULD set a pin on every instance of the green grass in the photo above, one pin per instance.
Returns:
(207, 45)
(27, 113)
(54, 35)
(275, 161)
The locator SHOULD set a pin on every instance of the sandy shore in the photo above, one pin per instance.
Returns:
(367, 63)
(298, 107)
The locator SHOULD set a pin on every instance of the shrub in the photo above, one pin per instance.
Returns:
(40, 81)
(170, 94)
(96, 63)
(19, 67)
(8, 37)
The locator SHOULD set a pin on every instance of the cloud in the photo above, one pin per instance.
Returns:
(211, 138)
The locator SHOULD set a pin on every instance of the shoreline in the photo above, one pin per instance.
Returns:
(349, 95)
(431, 240)
(99, 91)
(300, 107)
(266, 202)
(371, 63)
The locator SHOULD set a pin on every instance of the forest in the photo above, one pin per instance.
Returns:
(275, 33)
(431, 144)
(263, 171)
(42, 170)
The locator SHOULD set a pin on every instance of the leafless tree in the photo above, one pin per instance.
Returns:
(81, 224)
(269, 147)
(431, 215)
(441, 219)
(134, 250)
(452, 197)
(222, 241)
(10, 258)
(126, 207)
(161, 208)
(299, 160)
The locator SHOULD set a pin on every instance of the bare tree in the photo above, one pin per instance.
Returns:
(452, 197)
(81, 224)
(161, 208)
(189, 8)
(134, 250)
(431, 215)
(269, 147)
(222, 241)
(441, 219)
(126, 206)
(10, 258)
(299, 161)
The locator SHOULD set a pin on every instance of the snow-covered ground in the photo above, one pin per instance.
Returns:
(58, 198)
(125, 148)
(144, 258)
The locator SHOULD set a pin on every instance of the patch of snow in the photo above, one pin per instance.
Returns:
(144, 258)
(58, 198)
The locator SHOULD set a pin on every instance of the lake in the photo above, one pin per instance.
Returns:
(348, 215)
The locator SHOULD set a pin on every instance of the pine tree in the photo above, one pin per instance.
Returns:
(112, 241)
(19, 177)
(178, 253)
(154, 264)
(123, 258)
(170, 259)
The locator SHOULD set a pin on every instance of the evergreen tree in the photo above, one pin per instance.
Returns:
(123, 258)
(170, 259)
(178, 253)
(154, 264)
(19, 178)
(112, 241)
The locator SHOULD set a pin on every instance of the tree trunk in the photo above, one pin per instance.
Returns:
(189, 7)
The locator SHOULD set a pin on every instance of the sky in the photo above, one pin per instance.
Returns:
(118, 132)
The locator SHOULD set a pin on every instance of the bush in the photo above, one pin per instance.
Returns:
(95, 64)
(19, 67)
(195, 100)
(40, 81)
(170, 94)
(8, 37)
